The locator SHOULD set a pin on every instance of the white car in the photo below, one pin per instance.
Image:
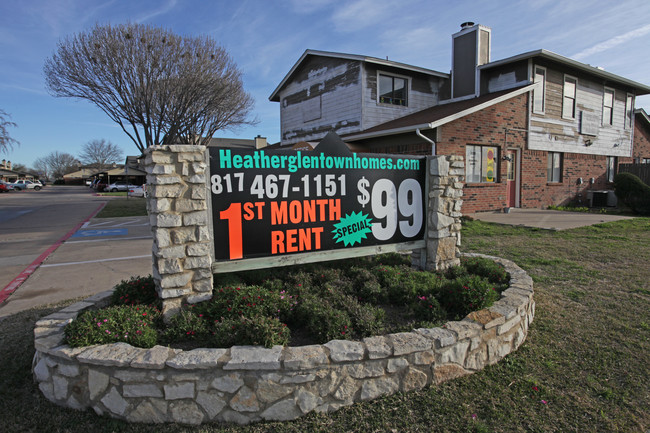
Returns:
(19, 185)
(137, 191)
(118, 186)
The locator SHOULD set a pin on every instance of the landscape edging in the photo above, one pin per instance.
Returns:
(244, 384)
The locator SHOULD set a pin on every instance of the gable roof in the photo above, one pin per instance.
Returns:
(374, 60)
(438, 115)
(641, 114)
(641, 89)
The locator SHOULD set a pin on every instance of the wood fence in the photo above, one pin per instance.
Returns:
(641, 170)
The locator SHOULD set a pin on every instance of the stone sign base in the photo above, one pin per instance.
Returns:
(244, 384)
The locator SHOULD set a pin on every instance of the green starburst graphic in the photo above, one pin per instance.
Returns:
(352, 228)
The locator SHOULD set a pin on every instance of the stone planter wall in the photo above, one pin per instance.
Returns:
(245, 384)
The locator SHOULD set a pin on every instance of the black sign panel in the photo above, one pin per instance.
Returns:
(269, 203)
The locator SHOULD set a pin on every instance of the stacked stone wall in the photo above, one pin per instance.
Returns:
(244, 384)
(178, 206)
(445, 191)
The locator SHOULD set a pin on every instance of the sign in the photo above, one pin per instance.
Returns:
(105, 232)
(268, 203)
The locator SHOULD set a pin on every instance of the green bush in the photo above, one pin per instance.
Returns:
(187, 325)
(133, 324)
(465, 294)
(338, 300)
(631, 190)
(136, 291)
(426, 308)
(323, 319)
(246, 301)
(255, 331)
(494, 272)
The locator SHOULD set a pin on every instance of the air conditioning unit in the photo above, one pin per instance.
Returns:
(612, 200)
(601, 198)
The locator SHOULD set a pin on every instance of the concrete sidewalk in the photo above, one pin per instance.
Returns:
(102, 253)
(546, 219)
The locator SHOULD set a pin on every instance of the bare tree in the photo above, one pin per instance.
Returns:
(42, 168)
(159, 87)
(101, 153)
(6, 142)
(60, 163)
(20, 167)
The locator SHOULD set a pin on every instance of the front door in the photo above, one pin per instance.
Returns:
(511, 181)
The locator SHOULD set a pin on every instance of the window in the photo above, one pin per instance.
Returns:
(569, 98)
(608, 107)
(611, 168)
(482, 164)
(540, 92)
(645, 160)
(629, 110)
(554, 167)
(393, 90)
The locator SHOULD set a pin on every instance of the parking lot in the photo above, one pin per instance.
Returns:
(96, 254)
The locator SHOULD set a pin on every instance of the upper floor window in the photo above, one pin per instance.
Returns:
(608, 107)
(629, 110)
(539, 92)
(393, 90)
(569, 98)
(482, 164)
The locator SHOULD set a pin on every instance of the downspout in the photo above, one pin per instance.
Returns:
(433, 143)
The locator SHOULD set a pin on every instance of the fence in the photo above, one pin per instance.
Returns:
(641, 170)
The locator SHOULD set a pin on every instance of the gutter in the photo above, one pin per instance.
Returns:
(433, 143)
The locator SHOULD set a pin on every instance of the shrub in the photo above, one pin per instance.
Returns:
(426, 308)
(136, 291)
(133, 324)
(187, 325)
(323, 320)
(633, 192)
(494, 272)
(466, 294)
(256, 331)
(365, 285)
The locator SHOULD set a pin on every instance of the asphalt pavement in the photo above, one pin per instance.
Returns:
(72, 259)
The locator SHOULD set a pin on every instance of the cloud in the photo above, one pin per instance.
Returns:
(160, 11)
(309, 7)
(613, 42)
(361, 14)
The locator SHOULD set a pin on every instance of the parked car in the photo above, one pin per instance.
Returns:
(119, 186)
(137, 191)
(5, 187)
(19, 185)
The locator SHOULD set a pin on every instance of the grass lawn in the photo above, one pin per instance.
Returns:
(124, 207)
(583, 368)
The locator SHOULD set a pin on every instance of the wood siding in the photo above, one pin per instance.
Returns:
(551, 132)
(325, 95)
(507, 77)
(423, 93)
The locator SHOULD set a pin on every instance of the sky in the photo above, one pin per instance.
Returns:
(265, 38)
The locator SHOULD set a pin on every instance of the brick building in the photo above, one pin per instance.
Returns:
(536, 129)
